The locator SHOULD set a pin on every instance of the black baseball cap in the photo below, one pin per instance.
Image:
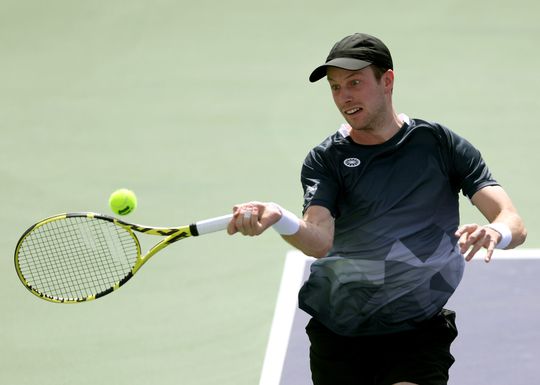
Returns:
(353, 53)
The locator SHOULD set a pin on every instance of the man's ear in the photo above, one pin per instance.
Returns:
(388, 80)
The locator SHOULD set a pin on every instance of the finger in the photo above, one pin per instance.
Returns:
(479, 239)
(247, 220)
(239, 219)
(463, 233)
(489, 251)
(473, 251)
(462, 242)
(254, 224)
(231, 227)
(468, 228)
(476, 238)
(465, 242)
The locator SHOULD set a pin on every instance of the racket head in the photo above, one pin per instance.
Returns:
(76, 257)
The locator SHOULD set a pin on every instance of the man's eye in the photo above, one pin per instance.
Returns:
(355, 82)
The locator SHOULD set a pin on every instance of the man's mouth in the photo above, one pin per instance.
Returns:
(352, 111)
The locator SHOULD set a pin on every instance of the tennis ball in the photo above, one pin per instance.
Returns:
(123, 201)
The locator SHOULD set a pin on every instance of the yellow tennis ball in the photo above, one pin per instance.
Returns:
(123, 201)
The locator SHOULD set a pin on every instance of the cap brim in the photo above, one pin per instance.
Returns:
(340, 62)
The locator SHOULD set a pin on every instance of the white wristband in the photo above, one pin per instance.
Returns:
(506, 234)
(288, 224)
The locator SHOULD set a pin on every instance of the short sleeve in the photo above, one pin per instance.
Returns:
(468, 170)
(319, 181)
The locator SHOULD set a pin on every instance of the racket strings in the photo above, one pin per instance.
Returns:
(77, 257)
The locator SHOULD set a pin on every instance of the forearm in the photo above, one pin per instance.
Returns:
(313, 239)
(497, 207)
(313, 235)
(504, 231)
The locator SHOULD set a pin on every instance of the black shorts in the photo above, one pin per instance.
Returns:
(421, 356)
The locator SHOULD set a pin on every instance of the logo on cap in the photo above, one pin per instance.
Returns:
(352, 162)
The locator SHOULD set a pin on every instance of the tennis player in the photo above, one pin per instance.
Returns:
(381, 215)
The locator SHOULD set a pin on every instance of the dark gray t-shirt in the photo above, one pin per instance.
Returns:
(394, 261)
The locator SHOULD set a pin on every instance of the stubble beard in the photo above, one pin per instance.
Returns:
(372, 121)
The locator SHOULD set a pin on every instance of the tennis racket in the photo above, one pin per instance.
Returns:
(78, 257)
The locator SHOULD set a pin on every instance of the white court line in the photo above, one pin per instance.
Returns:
(287, 303)
(511, 254)
(280, 331)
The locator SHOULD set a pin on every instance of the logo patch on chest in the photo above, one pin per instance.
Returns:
(352, 162)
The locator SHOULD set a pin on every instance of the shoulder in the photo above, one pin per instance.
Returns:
(331, 145)
(445, 135)
(338, 138)
(326, 157)
(434, 127)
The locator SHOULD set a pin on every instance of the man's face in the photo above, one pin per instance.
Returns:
(359, 96)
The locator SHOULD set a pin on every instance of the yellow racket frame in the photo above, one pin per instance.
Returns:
(171, 234)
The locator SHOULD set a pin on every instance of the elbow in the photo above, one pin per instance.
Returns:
(520, 238)
(319, 252)
(316, 254)
(519, 235)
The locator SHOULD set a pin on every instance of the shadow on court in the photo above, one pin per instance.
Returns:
(498, 315)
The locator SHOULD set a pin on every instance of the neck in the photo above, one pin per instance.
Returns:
(378, 132)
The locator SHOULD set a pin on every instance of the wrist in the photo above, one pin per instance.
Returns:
(504, 230)
(288, 224)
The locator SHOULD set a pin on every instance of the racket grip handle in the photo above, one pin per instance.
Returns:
(213, 224)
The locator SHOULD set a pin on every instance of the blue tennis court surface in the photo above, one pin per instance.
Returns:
(498, 314)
